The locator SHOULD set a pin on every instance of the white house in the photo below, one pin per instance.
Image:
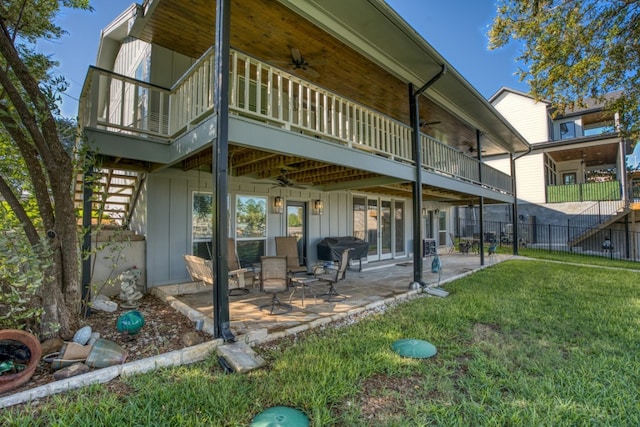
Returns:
(575, 174)
(336, 119)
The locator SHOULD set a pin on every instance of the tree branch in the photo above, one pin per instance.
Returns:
(14, 203)
(38, 178)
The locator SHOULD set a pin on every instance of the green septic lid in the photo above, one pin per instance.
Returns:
(410, 347)
(280, 416)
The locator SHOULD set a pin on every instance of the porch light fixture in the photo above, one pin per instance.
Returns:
(278, 205)
(318, 207)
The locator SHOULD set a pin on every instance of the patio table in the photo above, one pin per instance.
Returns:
(301, 282)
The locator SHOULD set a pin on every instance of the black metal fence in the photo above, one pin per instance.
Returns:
(615, 241)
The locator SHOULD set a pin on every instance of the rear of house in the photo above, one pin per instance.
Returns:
(321, 123)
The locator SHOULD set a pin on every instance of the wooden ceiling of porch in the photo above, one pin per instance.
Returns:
(263, 165)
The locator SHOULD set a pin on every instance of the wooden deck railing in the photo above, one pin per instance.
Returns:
(258, 90)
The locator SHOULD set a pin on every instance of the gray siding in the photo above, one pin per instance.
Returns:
(167, 227)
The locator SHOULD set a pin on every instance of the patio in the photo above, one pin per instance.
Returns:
(377, 285)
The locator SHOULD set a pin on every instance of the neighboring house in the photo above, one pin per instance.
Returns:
(575, 174)
(319, 130)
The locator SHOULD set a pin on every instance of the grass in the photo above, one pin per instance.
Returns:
(570, 257)
(521, 343)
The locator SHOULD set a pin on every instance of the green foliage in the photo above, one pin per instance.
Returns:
(575, 50)
(37, 171)
(22, 268)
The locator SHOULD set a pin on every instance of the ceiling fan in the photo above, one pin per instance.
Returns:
(299, 63)
(424, 123)
(471, 148)
(283, 181)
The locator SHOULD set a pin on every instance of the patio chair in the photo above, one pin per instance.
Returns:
(452, 248)
(274, 278)
(288, 247)
(235, 264)
(333, 275)
(201, 270)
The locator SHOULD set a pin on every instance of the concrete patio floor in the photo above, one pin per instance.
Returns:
(378, 284)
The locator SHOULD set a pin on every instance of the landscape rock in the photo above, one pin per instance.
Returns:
(71, 371)
(191, 338)
(103, 303)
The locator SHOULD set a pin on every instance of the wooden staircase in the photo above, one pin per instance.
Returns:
(601, 225)
(115, 192)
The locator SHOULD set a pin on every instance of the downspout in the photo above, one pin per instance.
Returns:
(481, 201)
(514, 217)
(414, 112)
(221, 318)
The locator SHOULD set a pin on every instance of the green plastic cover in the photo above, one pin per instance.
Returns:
(417, 349)
(280, 416)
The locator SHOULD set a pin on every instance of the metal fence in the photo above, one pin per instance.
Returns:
(614, 242)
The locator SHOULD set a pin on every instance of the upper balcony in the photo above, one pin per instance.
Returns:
(261, 92)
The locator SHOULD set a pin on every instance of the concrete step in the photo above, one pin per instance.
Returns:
(240, 357)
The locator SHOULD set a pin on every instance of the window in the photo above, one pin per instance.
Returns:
(569, 178)
(399, 227)
(251, 227)
(359, 217)
(442, 228)
(598, 128)
(567, 130)
(201, 224)
(550, 170)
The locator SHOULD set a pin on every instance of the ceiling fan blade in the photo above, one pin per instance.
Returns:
(296, 55)
(310, 72)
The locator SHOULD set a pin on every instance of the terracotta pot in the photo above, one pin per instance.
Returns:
(11, 381)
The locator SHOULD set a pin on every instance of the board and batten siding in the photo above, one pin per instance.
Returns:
(163, 216)
(168, 229)
(131, 54)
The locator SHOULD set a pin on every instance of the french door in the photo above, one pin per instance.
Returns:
(372, 221)
(297, 226)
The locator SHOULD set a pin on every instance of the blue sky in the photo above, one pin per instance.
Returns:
(456, 28)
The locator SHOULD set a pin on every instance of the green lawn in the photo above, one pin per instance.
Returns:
(523, 343)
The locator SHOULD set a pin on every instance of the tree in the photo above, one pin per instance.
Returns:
(577, 49)
(32, 141)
